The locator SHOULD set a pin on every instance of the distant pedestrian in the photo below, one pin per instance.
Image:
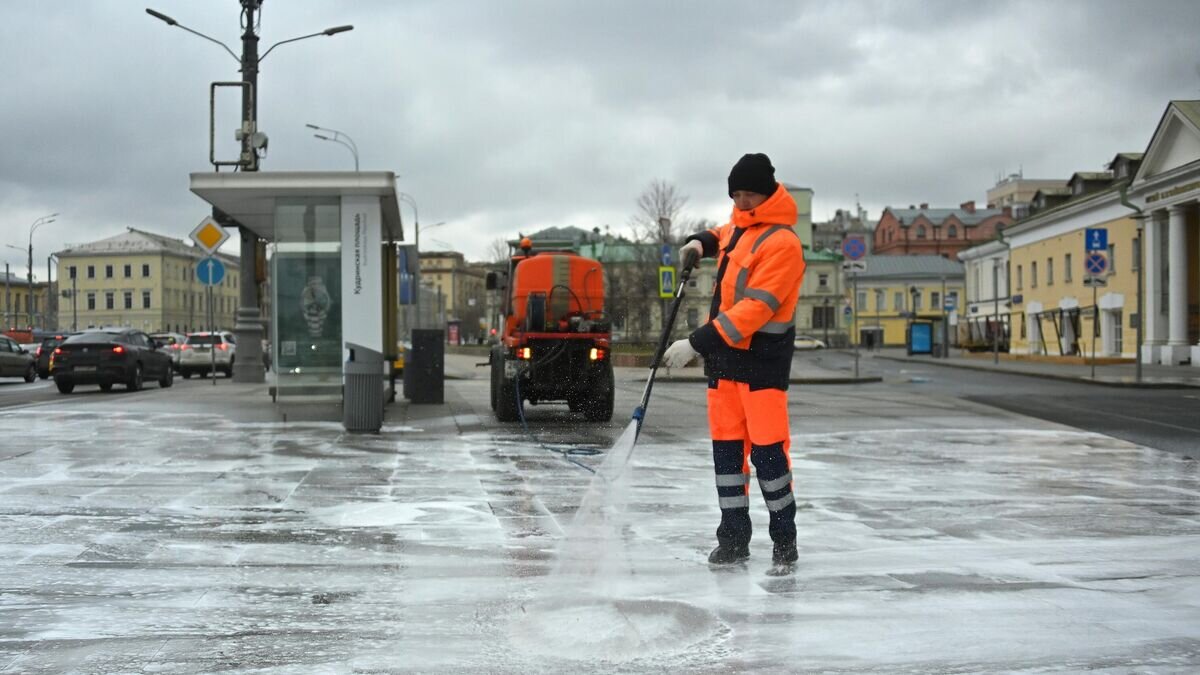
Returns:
(747, 345)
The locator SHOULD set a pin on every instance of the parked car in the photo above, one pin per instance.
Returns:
(808, 342)
(15, 360)
(107, 357)
(45, 351)
(173, 343)
(203, 349)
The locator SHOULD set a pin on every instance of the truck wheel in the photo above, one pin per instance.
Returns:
(599, 404)
(507, 405)
(64, 386)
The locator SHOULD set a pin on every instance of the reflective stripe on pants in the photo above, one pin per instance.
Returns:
(751, 427)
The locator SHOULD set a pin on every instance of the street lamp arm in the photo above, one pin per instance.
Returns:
(335, 139)
(172, 22)
(336, 134)
(328, 31)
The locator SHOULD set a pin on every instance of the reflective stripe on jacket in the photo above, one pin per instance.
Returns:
(760, 264)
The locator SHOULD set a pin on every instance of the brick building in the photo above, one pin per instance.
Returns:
(938, 231)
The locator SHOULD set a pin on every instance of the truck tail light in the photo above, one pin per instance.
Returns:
(524, 353)
(597, 354)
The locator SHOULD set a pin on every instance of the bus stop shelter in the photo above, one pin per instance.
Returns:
(331, 272)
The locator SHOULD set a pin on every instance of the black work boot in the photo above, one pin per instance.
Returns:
(784, 552)
(728, 554)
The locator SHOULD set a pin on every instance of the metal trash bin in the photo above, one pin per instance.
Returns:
(425, 367)
(362, 396)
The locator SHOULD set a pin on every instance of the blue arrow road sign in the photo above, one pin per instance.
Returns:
(210, 271)
(1096, 238)
(854, 248)
(1096, 263)
(666, 254)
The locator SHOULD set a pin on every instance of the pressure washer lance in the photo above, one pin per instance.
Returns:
(639, 413)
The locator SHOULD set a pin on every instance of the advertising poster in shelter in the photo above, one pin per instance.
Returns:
(308, 310)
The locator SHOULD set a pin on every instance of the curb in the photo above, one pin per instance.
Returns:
(1078, 379)
(794, 380)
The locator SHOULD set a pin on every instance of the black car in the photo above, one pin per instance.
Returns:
(45, 350)
(108, 357)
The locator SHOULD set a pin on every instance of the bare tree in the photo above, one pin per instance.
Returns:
(498, 251)
(658, 210)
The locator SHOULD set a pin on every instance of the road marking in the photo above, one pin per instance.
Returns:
(1092, 412)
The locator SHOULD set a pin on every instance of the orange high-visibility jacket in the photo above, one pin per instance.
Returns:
(760, 266)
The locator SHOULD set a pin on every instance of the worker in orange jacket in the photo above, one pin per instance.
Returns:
(747, 346)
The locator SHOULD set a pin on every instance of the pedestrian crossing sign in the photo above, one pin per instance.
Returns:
(666, 282)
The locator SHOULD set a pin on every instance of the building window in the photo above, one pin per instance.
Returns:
(1067, 268)
(861, 301)
(145, 299)
(1049, 271)
(1020, 277)
(91, 271)
(108, 271)
(693, 318)
(72, 271)
(823, 281)
(108, 300)
(1033, 275)
(898, 301)
(128, 271)
(91, 302)
(183, 272)
(880, 299)
(935, 300)
(1112, 258)
(145, 270)
(951, 232)
(128, 299)
(920, 232)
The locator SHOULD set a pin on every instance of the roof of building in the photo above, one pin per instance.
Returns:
(906, 216)
(910, 266)
(1189, 109)
(1054, 192)
(140, 241)
(567, 233)
(821, 256)
(18, 280)
(1092, 175)
(1135, 156)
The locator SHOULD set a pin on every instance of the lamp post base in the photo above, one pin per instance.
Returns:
(248, 364)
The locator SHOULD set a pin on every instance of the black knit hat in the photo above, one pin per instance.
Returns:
(753, 173)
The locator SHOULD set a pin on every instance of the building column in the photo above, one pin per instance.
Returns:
(1153, 335)
(1177, 350)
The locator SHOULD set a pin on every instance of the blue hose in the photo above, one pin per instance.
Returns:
(565, 454)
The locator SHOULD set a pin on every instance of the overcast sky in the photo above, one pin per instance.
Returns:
(502, 117)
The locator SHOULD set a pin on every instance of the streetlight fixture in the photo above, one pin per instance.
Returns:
(248, 328)
(338, 137)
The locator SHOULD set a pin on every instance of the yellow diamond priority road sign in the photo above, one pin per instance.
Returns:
(208, 235)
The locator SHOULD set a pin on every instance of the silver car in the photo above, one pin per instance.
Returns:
(173, 344)
(15, 360)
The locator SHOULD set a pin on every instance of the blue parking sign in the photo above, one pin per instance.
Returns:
(1096, 239)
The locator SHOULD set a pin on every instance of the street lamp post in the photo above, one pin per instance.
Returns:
(248, 328)
(339, 137)
(44, 220)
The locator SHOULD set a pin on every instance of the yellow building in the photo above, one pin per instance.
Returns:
(15, 302)
(142, 280)
(458, 292)
(1055, 312)
(899, 289)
